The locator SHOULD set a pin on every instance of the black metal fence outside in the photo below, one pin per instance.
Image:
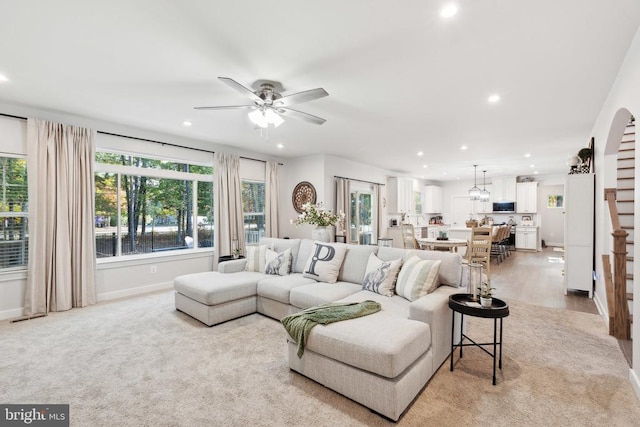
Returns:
(106, 244)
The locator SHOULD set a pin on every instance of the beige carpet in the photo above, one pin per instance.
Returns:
(139, 362)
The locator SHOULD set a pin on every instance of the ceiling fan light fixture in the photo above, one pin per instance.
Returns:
(258, 118)
(273, 117)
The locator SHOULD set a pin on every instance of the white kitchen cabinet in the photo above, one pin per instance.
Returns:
(527, 238)
(504, 189)
(527, 197)
(432, 201)
(578, 232)
(400, 195)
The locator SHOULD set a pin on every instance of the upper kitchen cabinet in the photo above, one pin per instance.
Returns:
(401, 198)
(432, 199)
(527, 201)
(504, 189)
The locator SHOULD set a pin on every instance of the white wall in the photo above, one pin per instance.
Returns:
(552, 219)
(625, 93)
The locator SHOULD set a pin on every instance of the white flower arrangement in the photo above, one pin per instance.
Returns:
(317, 215)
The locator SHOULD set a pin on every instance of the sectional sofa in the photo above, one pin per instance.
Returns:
(382, 360)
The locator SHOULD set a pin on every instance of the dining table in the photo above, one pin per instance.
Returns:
(435, 243)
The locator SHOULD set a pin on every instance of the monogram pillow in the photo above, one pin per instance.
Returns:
(380, 276)
(324, 263)
(278, 263)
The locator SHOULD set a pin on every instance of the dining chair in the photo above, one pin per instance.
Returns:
(479, 249)
(409, 237)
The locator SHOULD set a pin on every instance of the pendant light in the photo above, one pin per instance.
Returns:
(484, 194)
(474, 192)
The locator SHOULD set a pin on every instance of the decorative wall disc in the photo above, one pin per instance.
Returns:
(303, 193)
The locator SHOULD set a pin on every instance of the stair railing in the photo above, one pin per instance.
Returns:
(621, 328)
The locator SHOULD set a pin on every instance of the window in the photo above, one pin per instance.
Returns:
(14, 238)
(253, 211)
(148, 205)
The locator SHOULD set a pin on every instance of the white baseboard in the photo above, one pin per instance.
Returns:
(11, 314)
(555, 244)
(635, 382)
(134, 291)
(601, 310)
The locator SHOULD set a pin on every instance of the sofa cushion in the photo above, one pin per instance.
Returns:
(380, 276)
(450, 273)
(278, 288)
(386, 253)
(417, 278)
(278, 263)
(211, 287)
(321, 293)
(395, 305)
(355, 263)
(306, 249)
(256, 256)
(325, 262)
(380, 343)
(281, 245)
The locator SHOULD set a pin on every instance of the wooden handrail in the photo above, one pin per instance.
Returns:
(621, 326)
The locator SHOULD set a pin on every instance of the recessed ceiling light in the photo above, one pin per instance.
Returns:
(444, 173)
(532, 166)
(458, 178)
(186, 123)
(3, 78)
(422, 176)
(535, 172)
(493, 98)
(420, 153)
(280, 146)
(527, 155)
(424, 166)
(449, 10)
(464, 147)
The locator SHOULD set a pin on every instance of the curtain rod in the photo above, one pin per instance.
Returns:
(359, 180)
(149, 140)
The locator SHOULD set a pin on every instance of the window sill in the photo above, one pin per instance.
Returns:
(152, 258)
(11, 274)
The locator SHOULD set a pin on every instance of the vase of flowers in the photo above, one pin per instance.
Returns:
(321, 218)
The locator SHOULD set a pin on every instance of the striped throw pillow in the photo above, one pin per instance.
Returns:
(417, 278)
(256, 258)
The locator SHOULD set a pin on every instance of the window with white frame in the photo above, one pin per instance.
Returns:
(14, 237)
(253, 210)
(146, 205)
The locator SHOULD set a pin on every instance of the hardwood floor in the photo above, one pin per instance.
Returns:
(536, 278)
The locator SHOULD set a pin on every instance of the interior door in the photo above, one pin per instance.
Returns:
(461, 210)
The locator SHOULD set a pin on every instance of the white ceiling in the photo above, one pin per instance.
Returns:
(401, 79)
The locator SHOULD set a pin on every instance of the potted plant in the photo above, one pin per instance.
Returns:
(485, 291)
(236, 253)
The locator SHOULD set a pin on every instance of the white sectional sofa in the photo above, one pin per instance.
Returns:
(382, 360)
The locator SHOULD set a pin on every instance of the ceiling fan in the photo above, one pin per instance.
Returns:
(268, 105)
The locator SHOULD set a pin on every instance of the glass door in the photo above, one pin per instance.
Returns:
(363, 215)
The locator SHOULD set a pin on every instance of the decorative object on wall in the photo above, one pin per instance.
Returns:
(474, 192)
(484, 194)
(582, 163)
(303, 193)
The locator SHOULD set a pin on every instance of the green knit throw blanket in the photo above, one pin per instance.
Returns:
(299, 325)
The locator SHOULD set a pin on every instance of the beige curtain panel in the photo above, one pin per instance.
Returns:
(62, 260)
(343, 204)
(229, 224)
(272, 189)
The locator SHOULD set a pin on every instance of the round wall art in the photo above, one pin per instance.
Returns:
(303, 193)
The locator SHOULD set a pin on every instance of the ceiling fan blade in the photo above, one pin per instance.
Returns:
(243, 90)
(300, 97)
(226, 107)
(289, 112)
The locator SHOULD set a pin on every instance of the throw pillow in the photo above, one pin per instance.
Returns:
(278, 263)
(380, 276)
(324, 263)
(417, 278)
(256, 256)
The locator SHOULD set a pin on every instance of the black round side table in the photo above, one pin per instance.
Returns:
(463, 304)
